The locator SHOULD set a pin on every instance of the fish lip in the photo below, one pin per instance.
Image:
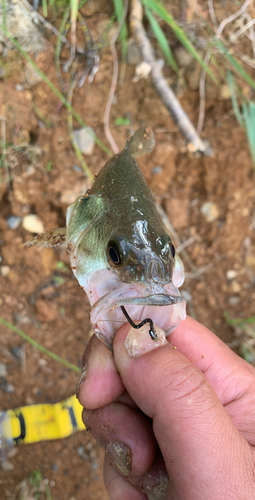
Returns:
(154, 299)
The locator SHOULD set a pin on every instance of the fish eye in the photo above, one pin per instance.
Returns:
(116, 251)
(172, 250)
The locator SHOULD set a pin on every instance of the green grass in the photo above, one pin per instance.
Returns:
(38, 346)
(245, 333)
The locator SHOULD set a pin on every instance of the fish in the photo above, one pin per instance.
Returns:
(119, 248)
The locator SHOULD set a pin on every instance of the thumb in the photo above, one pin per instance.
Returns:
(197, 439)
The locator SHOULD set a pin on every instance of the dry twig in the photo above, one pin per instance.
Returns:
(194, 143)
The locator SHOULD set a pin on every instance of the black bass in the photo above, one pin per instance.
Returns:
(120, 251)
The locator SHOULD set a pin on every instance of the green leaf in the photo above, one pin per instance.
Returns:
(162, 40)
(119, 10)
(160, 10)
(122, 121)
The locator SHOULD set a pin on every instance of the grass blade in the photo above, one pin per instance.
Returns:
(119, 10)
(35, 344)
(231, 85)
(239, 69)
(160, 10)
(249, 120)
(162, 40)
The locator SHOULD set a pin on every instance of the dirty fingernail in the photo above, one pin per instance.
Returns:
(121, 455)
(139, 341)
(155, 485)
(81, 379)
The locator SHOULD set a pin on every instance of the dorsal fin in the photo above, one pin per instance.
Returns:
(141, 143)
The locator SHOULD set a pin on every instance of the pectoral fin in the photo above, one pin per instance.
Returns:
(51, 238)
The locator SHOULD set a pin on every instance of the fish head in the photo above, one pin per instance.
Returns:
(145, 256)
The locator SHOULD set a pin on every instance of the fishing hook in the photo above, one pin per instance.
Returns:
(152, 331)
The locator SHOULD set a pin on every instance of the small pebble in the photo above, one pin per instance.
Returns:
(14, 221)
(18, 351)
(157, 169)
(31, 75)
(7, 387)
(183, 57)
(4, 271)
(7, 466)
(236, 287)
(32, 223)
(81, 452)
(3, 370)
(19, 87)
(85, 140)
(231, 274)
(233, 300)
(210, 211)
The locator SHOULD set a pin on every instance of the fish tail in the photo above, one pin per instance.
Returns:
(142, 142)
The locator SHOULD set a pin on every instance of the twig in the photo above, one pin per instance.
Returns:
(231, 18)
(242, 30)
(194, 143)
(114, 83)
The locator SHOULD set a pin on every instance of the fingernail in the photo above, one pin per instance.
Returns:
(139, 341)
(155, 485)
(121, 455)
(83, 375)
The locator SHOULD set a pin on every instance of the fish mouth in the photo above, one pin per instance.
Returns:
(140, 302)
(109, 301)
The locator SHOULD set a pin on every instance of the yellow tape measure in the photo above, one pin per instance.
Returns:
(33, 423)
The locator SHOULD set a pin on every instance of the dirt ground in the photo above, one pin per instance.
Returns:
(42, 297)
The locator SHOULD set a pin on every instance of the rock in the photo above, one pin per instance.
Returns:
(6, 387)
(142, 70)
(85, 138)
(157, 169)
(231, 274)
(32, 223)
(225, 92)
(183, 57)
(2, 73)
(7, 466)
(18, 352)
(4, 271)
(14, 221)
(236, 287)
(233, 300)
(81, 453)
(210, 211)
(31, 75)
(3, 370)
(134, 55)
(193, 77)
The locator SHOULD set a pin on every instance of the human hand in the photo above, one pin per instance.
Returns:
(187, 413)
